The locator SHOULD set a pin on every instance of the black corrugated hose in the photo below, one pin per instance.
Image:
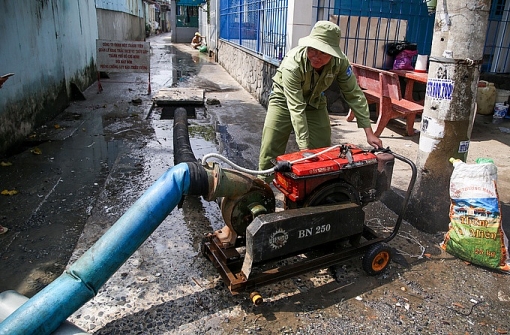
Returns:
(199, 184)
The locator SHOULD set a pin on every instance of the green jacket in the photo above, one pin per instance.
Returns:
(297, 83)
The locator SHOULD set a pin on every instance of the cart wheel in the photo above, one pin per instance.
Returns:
(256, 298)
(377, 258)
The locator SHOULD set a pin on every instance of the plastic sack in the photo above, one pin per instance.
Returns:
(404, 60)
(394, 48)
(475, 233)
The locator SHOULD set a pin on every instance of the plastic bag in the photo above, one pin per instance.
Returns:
(394, 48)
(404, 59)
(475, 233)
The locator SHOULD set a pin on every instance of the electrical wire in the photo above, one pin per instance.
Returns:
(261, 172)
(235, 166)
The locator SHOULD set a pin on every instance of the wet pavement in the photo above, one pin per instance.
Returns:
(77, 175)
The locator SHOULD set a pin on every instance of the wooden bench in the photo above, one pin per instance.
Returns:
(383, 88)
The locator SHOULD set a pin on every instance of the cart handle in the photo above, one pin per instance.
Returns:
(409, 189)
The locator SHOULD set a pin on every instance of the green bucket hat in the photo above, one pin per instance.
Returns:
(325, 37)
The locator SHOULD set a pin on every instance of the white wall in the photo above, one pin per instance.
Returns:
(48, 45)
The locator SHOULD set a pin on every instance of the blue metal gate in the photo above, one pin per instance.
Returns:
(257, 25)
(410, 20)
(497, 42)
(367, 28)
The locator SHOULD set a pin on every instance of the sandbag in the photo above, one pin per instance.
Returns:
(475, 233)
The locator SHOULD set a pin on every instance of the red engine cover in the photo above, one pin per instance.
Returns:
(296, 185)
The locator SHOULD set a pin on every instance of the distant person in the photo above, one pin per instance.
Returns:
(297, 101)
(3, 79)
(196, 42)
(155, 26)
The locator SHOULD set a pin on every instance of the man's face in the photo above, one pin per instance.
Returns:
(317, 58)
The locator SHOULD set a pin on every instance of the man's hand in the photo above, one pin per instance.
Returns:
(372, 139)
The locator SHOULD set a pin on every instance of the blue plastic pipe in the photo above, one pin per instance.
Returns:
(44, 312)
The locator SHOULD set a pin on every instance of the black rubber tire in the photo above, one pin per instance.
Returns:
(376, 259)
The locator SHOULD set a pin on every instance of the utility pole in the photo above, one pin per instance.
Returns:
(450, 100)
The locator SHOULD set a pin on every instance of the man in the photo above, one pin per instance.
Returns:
(196, 42)
(297, 101)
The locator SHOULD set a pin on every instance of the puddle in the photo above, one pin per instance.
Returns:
(174, 66)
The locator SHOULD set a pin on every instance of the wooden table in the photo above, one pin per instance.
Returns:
(411, 77)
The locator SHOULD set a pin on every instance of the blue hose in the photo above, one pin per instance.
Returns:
(44, 312)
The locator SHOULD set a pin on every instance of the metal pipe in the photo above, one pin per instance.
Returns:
(44, 312)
